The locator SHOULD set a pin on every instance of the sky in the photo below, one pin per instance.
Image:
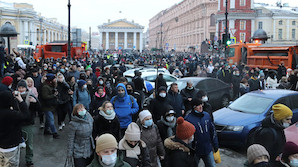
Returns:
(91, 13)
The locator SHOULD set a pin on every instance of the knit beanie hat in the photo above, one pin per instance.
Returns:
(184, 129)
(254, 151)
(281, 111)
(50, 77)
(143, 114)
(106, 141)
(81, 83)
(196, 102)
(22, 83)
(290, 148)
(7, 80)
(133, 132)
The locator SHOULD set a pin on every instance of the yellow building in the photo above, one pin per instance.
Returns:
(121, 34)
(280, 23)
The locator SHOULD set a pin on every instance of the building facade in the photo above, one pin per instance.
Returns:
(121, 34)
(183, 25)
(245, 17)
(32, 27)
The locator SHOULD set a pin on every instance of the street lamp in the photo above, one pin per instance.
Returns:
(8, 30)
(68, 46)
(226, 30)
(41, 31)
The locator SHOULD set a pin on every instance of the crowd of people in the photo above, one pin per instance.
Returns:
(109, 126)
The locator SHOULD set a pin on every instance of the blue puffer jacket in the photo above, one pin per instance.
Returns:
(124, 107)
(205, 135)
(83, 98)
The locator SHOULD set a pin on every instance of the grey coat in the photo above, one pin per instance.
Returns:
(80, 141)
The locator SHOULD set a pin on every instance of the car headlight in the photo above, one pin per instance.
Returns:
(234, 128)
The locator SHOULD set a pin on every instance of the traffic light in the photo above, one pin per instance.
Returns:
(229, 42)
(226, 40)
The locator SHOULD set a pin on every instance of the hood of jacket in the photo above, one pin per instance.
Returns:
(123, 86)
(270, 122)
(173, 143)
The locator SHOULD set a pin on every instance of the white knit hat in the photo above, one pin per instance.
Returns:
(143, 114)
(133, 132)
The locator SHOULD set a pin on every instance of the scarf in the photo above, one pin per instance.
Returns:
(106, 116)
(170, 126)
(130, 152)
(97, 95)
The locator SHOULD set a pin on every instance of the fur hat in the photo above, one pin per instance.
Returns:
(184, 129)
(106, 141)
(254, 151)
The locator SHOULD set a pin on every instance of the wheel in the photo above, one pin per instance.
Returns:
(225, 100)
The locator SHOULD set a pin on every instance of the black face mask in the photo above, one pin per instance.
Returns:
(130, 145)
(262, 164)
(129, 91)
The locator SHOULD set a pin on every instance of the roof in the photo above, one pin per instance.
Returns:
(274, 93)
(121, 23)
(276, 10)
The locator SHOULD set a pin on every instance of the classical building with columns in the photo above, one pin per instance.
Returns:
(31, 26)
(121, 34)
(245, 17)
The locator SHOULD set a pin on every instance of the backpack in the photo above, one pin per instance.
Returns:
(131, 99)
(256, 133)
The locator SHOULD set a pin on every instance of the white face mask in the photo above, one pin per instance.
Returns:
(285, 125)
(22, 93)
(170, 118)
(100, 82)
(205, 99)
(109, 159)
(85, 86)
(191, 139)
(162, 94)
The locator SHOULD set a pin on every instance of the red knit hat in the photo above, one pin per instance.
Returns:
(290, 148)
(7, 80)
(184, 129)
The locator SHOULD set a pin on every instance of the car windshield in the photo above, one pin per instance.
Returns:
(251, 104)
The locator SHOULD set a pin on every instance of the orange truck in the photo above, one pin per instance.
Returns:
(263, 55)
(58, 50)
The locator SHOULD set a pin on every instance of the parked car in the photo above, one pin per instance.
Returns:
(145, 70)
(219, 93)
(236, 123)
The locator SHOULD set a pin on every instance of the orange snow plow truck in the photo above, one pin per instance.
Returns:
(263, 55)
(58, 50)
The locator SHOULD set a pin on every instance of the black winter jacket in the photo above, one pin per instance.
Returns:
(63, 96)
(186, 93)
(176, 101)
(102, 126)
(96, 103)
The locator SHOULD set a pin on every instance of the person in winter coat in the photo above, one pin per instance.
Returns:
(125, 106)
(130, 87)
(167, 124)
(106, 121)
(188, 94)
(284, 84)
(236, 79)
(205, 135)
(34, 106)
(11, 122)
(150, 135)
(202, 95)
(20, 63)
(257, 156)
(175, 100)
(31, 88)
(271, 80)
(6, 83)
(281, 71)
(160, 81)
(159, 104)
(81, 95)
(80, 141)
(49, 102)
(99, 98)
(272, 135)
(178, 150)
(253, 82)
(289, 156)
(107, 154)
(134, 150)
(64, 106)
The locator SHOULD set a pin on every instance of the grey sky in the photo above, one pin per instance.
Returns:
(86, 13)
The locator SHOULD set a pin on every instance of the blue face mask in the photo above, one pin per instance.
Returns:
(82, 113)
(294, 163)
(62, 70)
(148, 123)
(109, 112)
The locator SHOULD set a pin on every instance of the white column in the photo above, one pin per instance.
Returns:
(26, 31)
(31, 32)
(141, 41)
(288, 29)
(217, 31)
(274, 33)
(135, 40)
(107, 40)
(252, 4)
(116, 40)
(232, 4)
(231, 26)
(100, 41)
(218, 4)
(44, 36)
(252, 27)
(21, 36)
(125, 40)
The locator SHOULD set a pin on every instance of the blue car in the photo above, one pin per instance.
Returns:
(235, 124)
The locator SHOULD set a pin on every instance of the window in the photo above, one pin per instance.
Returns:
(242, 24)
(212, 20)
(242, 2)
(280, 22)
(279, 33)
(242, 37)
(260, 25)
(293, 23)
(294, 34)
